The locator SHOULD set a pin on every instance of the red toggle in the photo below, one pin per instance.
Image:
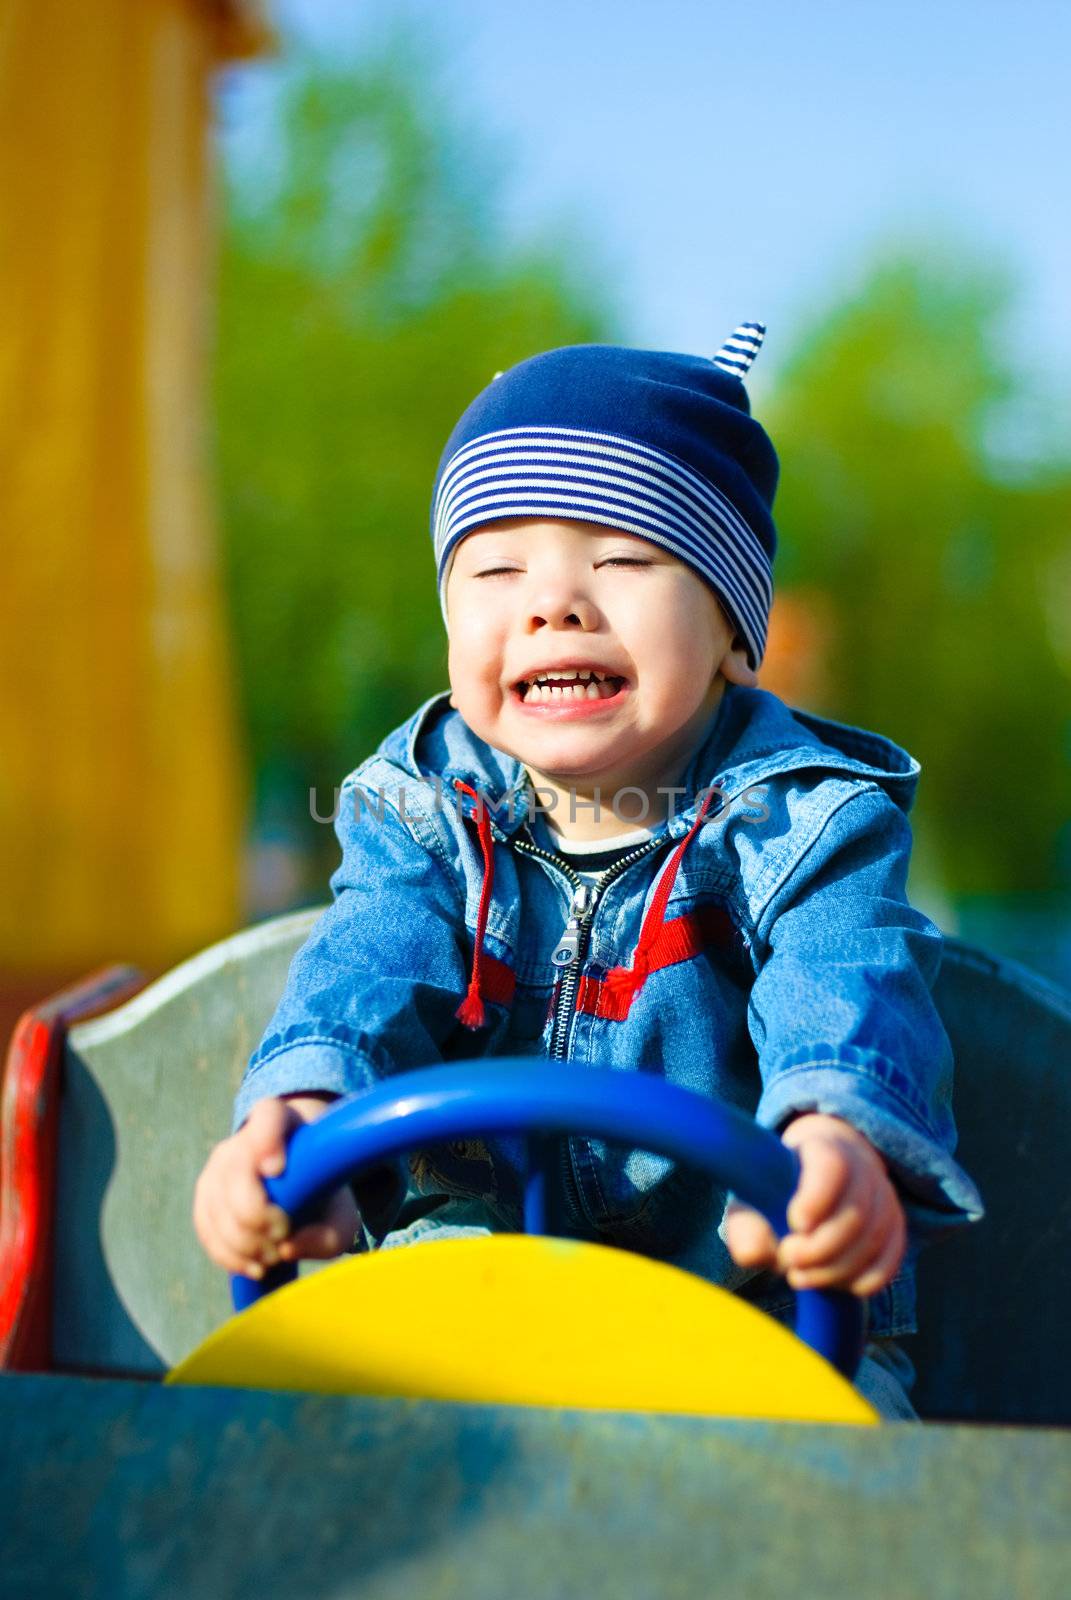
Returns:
(471, 1010)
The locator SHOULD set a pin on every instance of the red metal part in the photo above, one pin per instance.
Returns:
(29, 1125)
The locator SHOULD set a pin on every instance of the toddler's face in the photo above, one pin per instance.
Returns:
(530, 595)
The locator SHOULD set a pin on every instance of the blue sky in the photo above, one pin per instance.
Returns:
(737, 160)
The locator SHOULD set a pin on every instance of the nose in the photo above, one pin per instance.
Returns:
(561, 605)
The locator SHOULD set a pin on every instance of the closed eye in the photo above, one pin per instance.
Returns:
(611, 561)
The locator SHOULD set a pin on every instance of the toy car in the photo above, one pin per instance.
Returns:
(548, 1461)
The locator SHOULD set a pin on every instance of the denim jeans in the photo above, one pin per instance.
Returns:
(885, 1373)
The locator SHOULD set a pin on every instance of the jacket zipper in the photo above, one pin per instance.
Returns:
(568, 957)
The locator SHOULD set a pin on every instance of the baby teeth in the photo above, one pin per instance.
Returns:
(580, 691)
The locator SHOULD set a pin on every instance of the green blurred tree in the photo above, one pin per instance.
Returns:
(367, 293)
(948, 561)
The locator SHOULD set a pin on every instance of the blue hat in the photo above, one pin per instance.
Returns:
(652, 443)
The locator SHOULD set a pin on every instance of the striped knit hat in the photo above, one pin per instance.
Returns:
(652, 443)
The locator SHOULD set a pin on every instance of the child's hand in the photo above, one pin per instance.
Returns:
(849, 1229)
(236, 1223)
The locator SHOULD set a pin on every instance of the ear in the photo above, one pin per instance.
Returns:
(736, 667)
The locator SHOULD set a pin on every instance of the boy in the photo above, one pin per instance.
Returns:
(613, 847)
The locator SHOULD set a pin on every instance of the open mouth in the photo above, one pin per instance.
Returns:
(566, 688)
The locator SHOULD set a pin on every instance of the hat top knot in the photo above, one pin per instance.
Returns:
(740, 349)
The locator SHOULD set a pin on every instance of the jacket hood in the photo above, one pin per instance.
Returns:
(753, 736)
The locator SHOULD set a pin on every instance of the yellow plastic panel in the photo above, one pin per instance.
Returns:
(519, 1320)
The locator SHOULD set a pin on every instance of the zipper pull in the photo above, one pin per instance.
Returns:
(568, 945)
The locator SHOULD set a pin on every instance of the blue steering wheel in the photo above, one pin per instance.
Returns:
(509, 1095)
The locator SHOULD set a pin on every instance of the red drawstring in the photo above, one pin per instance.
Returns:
(621, 983)
(471, 1010)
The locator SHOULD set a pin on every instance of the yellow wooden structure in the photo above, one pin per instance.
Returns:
(121, 796)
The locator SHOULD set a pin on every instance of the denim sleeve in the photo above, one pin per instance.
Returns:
(374, 988)
(842, 1014)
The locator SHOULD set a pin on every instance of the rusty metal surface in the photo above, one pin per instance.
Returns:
(122, 1489)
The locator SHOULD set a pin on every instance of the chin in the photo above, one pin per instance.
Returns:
(564, 758)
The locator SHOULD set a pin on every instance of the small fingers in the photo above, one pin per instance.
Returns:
(887, 1264)
(867, 1264)
(237, 1225)
(255, 1243)
(749, 1237)
(265, 1133)
(826, 1171)
(232, 1262)
(217, 1238)
(251, 1210)
(838, 1235)
(838, 1273)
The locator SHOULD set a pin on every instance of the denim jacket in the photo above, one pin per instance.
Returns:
(759, 948)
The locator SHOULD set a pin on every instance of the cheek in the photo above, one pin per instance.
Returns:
(671, 632)
(678, 649)
(474, 655)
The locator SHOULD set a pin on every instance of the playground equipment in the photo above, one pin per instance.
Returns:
(114, 1094)
(528, 1320)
